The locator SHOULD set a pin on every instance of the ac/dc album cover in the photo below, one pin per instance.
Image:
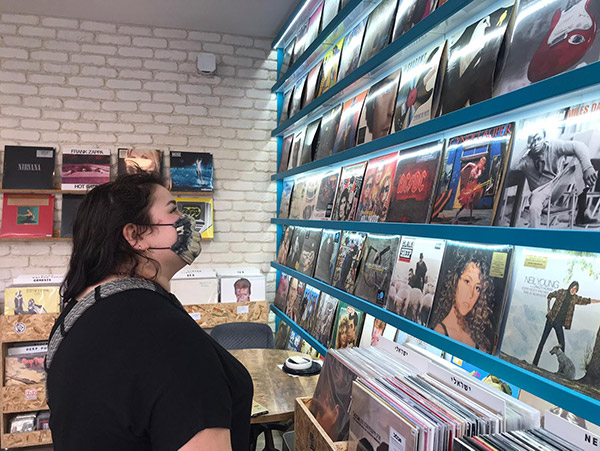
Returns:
(346, 200)
(82, 169)
(378, 111)
(312, 83)
(347, 326)
(300, 45)
(472, 57)
(296, 104)
(410, 13)
(284, 245)
(326, 195)
(551, 179)
(331, 64)
(377, 188)
(201, 209)
(328, 132)
(287, 58)
(287, 104)
(351, 50)
(309, 251)
(469, 303)
(191, 171)
(415, 278)
(282, 335)
(286, 149)
(554, 317)
(314, 23)
(550, 38)
(309, 307)
(330, 242)
(296, 301)
(324, 318)
(294, 342)
(379, 256)
(286, 196)
(418, 95)
(28, 167)
(293, 257)
(296, 149)
(311, 141)
(346, 133)
(348, 260)
(31, 300)
(70, 203)
(27, 215)
(330, 10)
(135, 161)
(414, 183)
(379, 30)
(471, 177)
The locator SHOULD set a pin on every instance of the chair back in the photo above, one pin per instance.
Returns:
(244, 335)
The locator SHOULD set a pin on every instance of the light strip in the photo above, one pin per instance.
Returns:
(292, 23)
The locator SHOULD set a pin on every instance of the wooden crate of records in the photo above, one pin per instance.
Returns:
(211, 315)
(308, 432)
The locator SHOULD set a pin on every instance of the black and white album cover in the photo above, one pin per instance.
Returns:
(311, 141)
(309, 251)
(28, 167)
(348, 195)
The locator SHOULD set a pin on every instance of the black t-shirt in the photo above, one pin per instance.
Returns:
(135, 372)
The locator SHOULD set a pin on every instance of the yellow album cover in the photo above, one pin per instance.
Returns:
(31, 300)
(201, 209)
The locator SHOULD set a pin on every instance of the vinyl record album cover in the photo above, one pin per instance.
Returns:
(70, 203)
(284, 245)
(293, 258)
(378, 111)
(285, 153)
(471, 177)
(549, 38)
(31, 300)
(472, 57)
(314, 23)
(287, 58)
(243, 289)
(287, 104)
(282, 335)
(470, 299)
(414, 183)
(304, 197)
(418, 94)
(330, 10)
(309, 307)
(309, 251)
(324, 318)
(346, 134)
(351, 51)
(379, 30)
(331, 64)
(346, 201)
(347, 326)
(415, 278)
(328, 132)
(297, 202)
(296, 104)
(282, 292)
(135, 161)
(325, 199)
(195, 286)
(552, 176)
(377, 188)
(311, 141)
(201, 209)
(312, 83)
(554, 317)
(27, 215)
(191, 171)
(294, 342)
(379, 256)
(28, 167)
(83, 169)
(296, 149)
(301, 37)
(373, 329)
(295, 300)
(348, 260)
(286, 197)
(330, 243)
(24, 365)
(410, 13)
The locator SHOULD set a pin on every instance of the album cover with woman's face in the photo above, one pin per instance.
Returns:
(414, 183)
(328, 132)
(378, 111)
(324, 319)
(377, 188)
(379, 30)
(470, 298)
(415, 278)
(312, 83)
(351, 51)
(330, 243)
(331, 64)
(348, 260)
(282, 292)
(346, 134)
(372, 331)
(347, 326)
(309, 251)
(410, 13)
(284, 246)
(346, 200)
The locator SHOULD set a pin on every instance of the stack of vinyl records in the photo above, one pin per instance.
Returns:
(533, 439)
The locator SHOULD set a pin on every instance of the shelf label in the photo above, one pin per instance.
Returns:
(243, 309)
(571, 432)
(197, 316)
(20, 328)
(405, 355)
(31, 394)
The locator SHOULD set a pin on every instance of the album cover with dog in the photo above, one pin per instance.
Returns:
(191, 171)
(346, 200)
(379, 29)
(348, 260)
(328, 249)
(377, 188)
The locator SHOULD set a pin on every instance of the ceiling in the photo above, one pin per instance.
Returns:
(255, 18)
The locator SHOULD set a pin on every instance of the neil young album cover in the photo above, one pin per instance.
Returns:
(346, 200)
(191, 171)
(378, 111)
(348, 260)
(351, 50)
(470, 299)
(379, 29)
(330, 243)
(28, 167)
(414, 183)
(377, 188)
(471, 177)
(83, 169)
(328, 132)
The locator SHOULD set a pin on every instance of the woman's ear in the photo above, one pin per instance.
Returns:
(132, 235)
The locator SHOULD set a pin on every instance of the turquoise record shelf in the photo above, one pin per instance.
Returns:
(569, 86)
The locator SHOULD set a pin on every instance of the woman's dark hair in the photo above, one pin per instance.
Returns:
(99, 247)
(573, 284)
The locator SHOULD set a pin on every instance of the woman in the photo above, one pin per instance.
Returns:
(143, 160)
(342, 340)
(128, 368)
(462, 311)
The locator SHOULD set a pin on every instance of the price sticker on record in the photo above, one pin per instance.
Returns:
(397, 442)
(31, 394)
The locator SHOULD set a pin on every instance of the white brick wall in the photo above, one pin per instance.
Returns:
(67, 83)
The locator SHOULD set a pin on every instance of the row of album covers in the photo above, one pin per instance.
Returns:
(539, 172)
(28, 167)
(508, 48)
(536, 308)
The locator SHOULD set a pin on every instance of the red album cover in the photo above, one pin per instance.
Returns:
(27, 215)
(377, 188)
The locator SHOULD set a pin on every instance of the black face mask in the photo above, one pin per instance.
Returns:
(187, 246)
